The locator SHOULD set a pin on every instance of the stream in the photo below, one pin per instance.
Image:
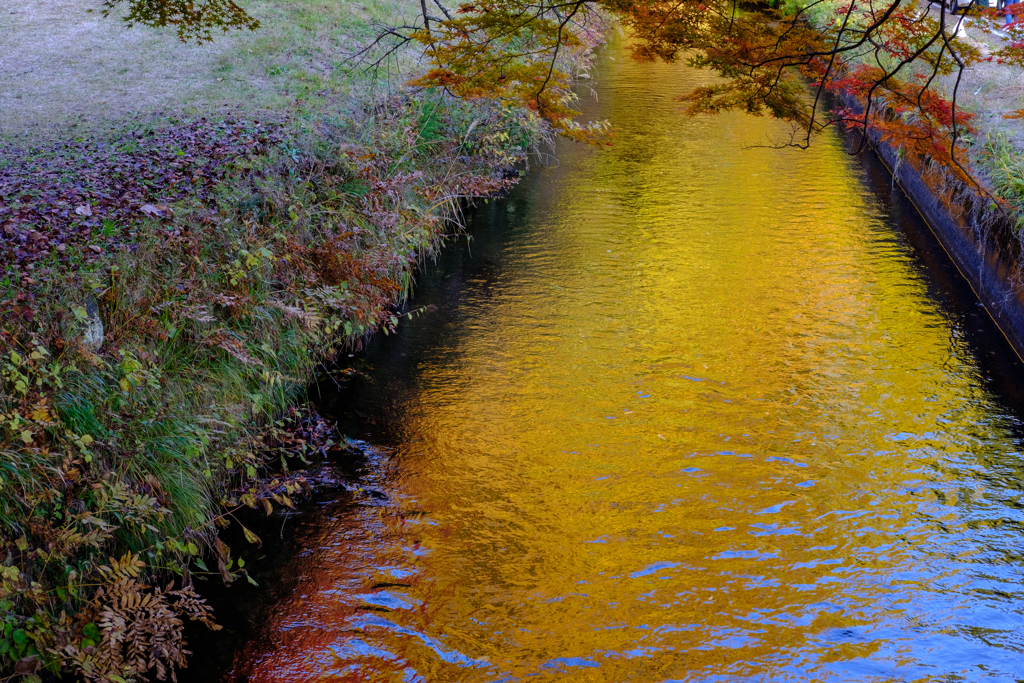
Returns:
(686, 408)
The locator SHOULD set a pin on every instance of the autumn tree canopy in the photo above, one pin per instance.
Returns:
(896, 63)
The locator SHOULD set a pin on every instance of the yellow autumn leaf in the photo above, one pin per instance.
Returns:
(251, 537)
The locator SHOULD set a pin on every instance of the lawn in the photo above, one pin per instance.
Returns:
(65, 70)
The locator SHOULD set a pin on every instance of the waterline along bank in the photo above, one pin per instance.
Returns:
(978, 236)
(686, 409)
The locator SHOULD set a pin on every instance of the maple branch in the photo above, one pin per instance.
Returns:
(884, 80)
(793, 22)
(384, 33)
(554, 54)
(828, 70)
(961, 66)
(810, 55)
(443, 9)
(426, 17)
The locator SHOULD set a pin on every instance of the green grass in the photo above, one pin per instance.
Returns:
(67, 69)
(1004, 167)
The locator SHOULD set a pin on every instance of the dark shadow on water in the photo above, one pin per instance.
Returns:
(970, 323)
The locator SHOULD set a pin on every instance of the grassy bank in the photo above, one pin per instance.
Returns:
(170, 280)
(134, 443)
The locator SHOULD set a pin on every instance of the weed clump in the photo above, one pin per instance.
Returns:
(1004, 166)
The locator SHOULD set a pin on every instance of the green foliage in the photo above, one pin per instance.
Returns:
(194, 20)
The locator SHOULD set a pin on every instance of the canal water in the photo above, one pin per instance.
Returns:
(686, 408)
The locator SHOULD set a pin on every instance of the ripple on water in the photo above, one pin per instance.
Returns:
(691, 412)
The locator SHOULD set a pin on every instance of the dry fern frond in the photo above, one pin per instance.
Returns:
(140, 627)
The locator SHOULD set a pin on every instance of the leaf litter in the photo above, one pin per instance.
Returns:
(92, 194)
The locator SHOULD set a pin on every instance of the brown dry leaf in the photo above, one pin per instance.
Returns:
(158, 210)
(96, 249)
(50, 183)
(27, 666)
(223, 557)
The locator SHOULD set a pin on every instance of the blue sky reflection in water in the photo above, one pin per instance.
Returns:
(690, 412)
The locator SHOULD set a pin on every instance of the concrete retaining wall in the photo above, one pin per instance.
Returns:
(987, 257)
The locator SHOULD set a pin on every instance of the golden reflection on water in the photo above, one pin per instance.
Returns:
(702, 422)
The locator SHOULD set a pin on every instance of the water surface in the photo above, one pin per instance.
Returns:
(685, 411)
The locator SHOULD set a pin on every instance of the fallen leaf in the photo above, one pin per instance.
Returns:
(27, 666)
(84, 210)
(96, 249)
(251, 537)
(156, 210)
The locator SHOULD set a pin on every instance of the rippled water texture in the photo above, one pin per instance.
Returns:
(698, 413)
